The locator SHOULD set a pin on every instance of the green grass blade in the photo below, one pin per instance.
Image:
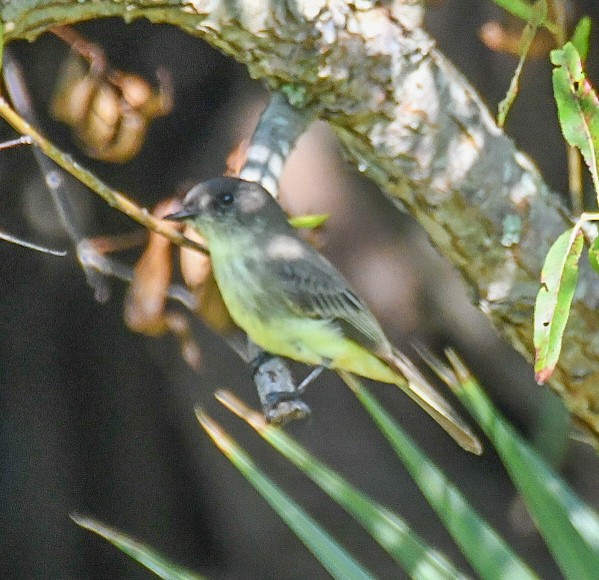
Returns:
(486, 551)
(417, 558)
(569, 526)
(339, 563)
(143, 554)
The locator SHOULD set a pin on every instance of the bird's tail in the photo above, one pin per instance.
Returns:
(421, 392)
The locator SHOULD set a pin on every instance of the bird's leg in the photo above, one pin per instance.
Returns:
(314, 374)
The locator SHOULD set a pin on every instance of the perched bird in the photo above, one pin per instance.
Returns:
(291, 301)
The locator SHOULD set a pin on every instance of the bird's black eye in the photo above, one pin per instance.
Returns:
(225, 198)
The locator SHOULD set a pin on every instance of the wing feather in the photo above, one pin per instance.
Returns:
(315, 289)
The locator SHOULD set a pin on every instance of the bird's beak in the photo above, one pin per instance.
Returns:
(180, 215)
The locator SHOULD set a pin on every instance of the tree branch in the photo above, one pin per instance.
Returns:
(414, 125)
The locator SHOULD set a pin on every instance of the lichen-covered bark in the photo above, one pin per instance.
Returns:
(412, 123)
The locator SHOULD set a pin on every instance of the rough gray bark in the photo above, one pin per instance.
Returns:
(414, 125)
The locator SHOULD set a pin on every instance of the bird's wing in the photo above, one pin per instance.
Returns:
(315, 289)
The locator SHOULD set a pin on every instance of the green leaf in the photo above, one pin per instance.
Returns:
(594, 255)
(569, 526)
(486, 551)
(393, 534)
(581, 37)
(140, 552)
(523, 9)
(339, 563)
(309, 222)
(538, 16)
(552, 308)
(577, 106)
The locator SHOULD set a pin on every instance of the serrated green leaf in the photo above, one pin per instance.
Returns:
(552, 308)
(577, 106)
(143, 554)
(594, 255)
(581, 37)
(538, 16)
(308, 222)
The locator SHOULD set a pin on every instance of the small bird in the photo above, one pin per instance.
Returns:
(292, 302)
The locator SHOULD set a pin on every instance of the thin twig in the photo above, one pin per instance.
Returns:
(112, 197)
(19, 242)
(89, 255)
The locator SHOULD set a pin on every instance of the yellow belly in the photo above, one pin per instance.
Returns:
(316, 342)
(275, 326)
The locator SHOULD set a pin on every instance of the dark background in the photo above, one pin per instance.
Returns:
(98, 420)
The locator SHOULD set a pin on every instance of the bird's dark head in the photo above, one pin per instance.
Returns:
(224, 205)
